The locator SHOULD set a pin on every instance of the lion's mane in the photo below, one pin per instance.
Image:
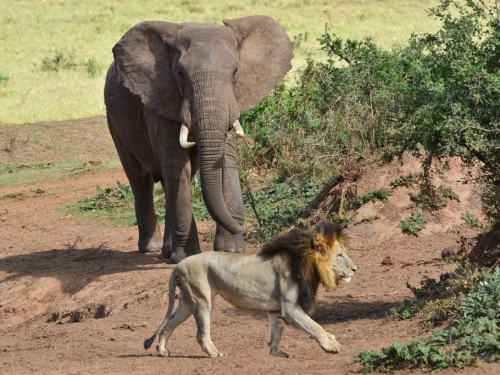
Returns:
(309, 252)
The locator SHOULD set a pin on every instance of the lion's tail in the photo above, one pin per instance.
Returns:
(171, 301)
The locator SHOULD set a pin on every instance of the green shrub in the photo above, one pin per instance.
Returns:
(413, 224)
(405, 181)
(474, 332)
(67, 61)
(277, 207)
(381, 194)
(108, 199)
(471, 220)
(368, 219)
(438, 95)
(430, 198)
(60, 61)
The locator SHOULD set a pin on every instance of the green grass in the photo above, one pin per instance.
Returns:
(55, 53)
(28, 173)
(110, 206)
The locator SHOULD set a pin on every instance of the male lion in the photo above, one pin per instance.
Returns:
(282, 279)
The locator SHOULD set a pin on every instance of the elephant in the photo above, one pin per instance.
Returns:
(174, 94)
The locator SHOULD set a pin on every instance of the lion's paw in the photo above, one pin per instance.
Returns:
(163, 352)
(217, 354)
(281, 354)
(332, 346)
(331, 337)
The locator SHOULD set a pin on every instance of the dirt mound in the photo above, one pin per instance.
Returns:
(374, 222)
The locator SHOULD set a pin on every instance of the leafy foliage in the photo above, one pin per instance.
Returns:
(108, 199)
(343, 220)
(405, 181)
(413, 224)
(279, 206)
(368, 219)
(434, 199)
(381, 194)
(438, 95)
(473, 334)
(471, 220)
(439, 298)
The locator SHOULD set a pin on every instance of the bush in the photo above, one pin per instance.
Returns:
(437, 96)
(413, 224)
(381, 194)
(474, 332)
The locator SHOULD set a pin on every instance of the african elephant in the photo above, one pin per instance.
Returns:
(173, 97)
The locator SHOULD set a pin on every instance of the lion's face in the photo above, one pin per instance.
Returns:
(341, 264)
(331, 259)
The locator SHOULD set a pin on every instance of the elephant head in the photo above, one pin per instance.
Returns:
(205, 76)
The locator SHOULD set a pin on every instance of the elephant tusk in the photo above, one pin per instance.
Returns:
(183, 137)
(238, 129)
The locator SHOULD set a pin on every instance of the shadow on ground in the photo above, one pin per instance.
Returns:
(76, 268)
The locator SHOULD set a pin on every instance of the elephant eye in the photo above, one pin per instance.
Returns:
(235, 73)
(181, 76)
(340, 255)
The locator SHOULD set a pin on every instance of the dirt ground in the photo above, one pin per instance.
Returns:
(78, 297)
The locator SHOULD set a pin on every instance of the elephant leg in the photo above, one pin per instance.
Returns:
(181, 235)
(225, 240)
(142, 188)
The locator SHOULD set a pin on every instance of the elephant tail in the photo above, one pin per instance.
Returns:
(171, 300)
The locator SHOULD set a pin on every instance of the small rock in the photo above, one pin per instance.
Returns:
(389, 261)
(95, 162)
(40, 191)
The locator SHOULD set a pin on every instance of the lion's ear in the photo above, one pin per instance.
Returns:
(324, 243)
(339, 238)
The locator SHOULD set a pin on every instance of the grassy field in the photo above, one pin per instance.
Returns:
(55, 52)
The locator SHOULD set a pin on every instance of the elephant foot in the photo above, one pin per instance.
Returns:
(150, 243)
(166, 251)
(180, 253)
(227, 242)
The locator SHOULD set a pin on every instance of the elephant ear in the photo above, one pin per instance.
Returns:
(265, 55)
(143, 64)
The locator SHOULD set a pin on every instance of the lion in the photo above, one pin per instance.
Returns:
(282, 280)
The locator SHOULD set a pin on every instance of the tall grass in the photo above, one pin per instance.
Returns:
(55, 53)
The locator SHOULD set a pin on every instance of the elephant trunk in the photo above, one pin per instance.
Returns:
(211, 177)
(211, 116)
